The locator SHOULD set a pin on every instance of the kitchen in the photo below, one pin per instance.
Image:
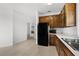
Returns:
(41, 30)
(62, 31)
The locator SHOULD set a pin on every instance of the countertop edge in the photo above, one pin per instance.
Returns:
(76, 53)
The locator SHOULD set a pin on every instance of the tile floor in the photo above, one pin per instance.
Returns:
(28, 48)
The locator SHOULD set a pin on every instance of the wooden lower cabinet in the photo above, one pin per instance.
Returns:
(61, 52)
(52, 40)
(67, 51)
(61, 48)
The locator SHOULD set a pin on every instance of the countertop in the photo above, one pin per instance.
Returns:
(76, 53)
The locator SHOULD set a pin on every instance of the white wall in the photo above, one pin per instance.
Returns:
(13, 22)
(13, 26)
(19, 27)
(6, 30)
(34, 21)
(36, 28)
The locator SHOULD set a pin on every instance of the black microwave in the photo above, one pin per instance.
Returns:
(52, 31)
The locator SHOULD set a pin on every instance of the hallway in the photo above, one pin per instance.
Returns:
(28, 48)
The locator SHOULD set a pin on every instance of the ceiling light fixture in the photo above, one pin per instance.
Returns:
(49, 3)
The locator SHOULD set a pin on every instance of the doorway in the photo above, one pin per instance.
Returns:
(28, 31)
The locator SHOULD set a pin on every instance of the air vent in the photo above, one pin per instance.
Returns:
(49, 11)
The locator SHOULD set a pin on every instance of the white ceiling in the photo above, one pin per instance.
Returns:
(42, 8)
(31, 8)
(54, 8)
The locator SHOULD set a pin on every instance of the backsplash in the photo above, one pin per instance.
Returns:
(68, 31)
(59, 30)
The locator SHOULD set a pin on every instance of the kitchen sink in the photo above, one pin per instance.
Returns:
(74, 43)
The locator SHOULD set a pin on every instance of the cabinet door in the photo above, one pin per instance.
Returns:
(61, 52)
(54, 21)
(67, 51)
(53, 40)
(44, 19)
(62, 49)
(57, 45)
(62, 18)
(70, 12)
(61, 46)
(59, 21)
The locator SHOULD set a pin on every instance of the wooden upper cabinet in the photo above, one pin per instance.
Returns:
(66, 18)
(70, 14)
(44, 19)
(56, 21)
(60, 22)
(52, 21)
